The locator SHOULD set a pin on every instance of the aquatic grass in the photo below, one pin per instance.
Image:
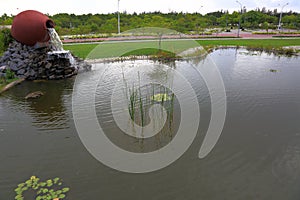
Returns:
(142, 110)
(141, 101)
(132, 102)
(141, 98)
(171, 110)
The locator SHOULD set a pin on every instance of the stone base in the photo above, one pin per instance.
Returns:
(31, 64)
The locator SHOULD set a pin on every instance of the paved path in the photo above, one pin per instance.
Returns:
(231, 35)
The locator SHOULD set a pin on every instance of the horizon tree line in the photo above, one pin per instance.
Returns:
(68, 24)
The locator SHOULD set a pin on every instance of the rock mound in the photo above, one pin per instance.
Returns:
(31, 63)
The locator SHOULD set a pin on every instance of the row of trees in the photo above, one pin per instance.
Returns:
(182, 22)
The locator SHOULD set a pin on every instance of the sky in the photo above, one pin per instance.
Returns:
(130, 6)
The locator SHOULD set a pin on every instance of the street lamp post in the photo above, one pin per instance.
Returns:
(238, 33)
(119, 29)
(280, 17)
(200, 8)
(198, 24)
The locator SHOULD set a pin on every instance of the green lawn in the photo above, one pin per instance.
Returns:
(252, 42)
(142, 52)
(80, 50)
(115, 49)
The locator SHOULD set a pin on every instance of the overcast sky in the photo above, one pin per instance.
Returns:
(110, 6)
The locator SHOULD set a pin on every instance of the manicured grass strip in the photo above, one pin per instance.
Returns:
(116, 49)
(80, 50)
(251, 42)
(149, 52)
(142, 52)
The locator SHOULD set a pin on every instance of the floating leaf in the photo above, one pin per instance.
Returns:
(43, 184)
(161, 97)
(49, 183)
(17, 190)
(64, 190)
(45, 190)
(56, 180)
(35, 187)
(58, 192)
(40, 191)
(38, 198)
(21, 185)
(28, 183)
(18, 197)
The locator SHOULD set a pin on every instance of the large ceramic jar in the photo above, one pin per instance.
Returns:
(30, 27)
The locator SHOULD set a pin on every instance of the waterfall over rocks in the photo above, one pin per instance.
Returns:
(55, 42)
(50, 62)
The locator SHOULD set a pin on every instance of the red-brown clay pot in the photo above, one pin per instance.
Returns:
(30, 27)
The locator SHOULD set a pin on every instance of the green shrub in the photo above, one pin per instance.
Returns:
(5, 39)
(9, 74)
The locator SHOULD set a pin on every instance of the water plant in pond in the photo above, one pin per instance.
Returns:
(33, 188)
(132, 102)
(140, 98)
(141, 101)
(161, 97)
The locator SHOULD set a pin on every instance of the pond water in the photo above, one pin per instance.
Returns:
(256, 157)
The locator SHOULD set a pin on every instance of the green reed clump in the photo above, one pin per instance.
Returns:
(132, 102)
(140, 99)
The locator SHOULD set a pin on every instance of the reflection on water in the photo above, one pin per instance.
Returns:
(257, 156)
(49, 111)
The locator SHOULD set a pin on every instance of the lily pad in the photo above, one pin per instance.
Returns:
(161, 97)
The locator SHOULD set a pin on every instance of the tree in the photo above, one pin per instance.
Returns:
(265, 25)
